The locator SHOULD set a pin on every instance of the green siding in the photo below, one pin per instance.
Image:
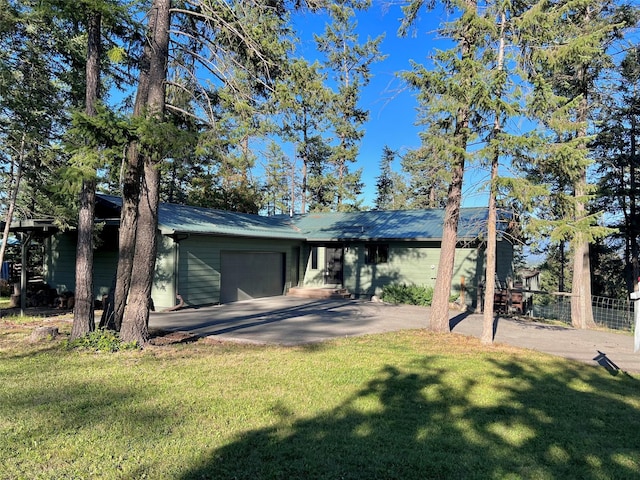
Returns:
(198, 260)
(412, 263)
(504, 260)
(163, 289)
(199, 264)
(59, 271)
(105, 262)
(61, 261)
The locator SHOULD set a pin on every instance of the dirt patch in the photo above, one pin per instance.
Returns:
(162, 338)
(41, 312)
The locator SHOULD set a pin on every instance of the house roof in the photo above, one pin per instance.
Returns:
(176, 219)
(374, 225)
(36, 226)
(417, 225)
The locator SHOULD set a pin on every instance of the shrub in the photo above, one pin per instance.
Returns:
(101, 341)
(407, 294)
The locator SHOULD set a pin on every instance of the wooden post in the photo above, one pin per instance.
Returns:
(25, 241)
(635, 296)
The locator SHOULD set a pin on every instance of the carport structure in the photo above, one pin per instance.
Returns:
(26, 231)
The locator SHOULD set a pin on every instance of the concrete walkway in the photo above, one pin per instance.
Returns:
(293, 321)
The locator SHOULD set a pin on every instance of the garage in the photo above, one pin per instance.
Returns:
(246, 275)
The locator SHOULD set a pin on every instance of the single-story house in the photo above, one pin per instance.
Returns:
(211, 256)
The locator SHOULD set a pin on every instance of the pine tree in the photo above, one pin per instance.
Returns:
(83, 312)
(34, 106)
(302, 98)
(428, 174)
(568, 45)
(246, 34)
(391, 190)
(498, 85)
(616, 155)
(349, 61)
(151, 96)
(279, 181)
(384, 182)
(453, 100)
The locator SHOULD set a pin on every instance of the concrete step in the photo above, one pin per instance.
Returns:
(306, 292)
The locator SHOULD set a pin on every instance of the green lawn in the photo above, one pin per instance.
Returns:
(412, 405)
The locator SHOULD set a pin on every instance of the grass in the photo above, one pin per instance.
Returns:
(409, 405)
(4, 302)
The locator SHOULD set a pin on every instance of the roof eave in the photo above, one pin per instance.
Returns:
(386, 239)
(250, 234)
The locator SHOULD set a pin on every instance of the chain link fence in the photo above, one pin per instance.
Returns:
(613, 313)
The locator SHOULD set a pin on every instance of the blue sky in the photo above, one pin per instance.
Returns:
(392, 107)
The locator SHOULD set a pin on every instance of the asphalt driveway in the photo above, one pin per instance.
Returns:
(290, 320)
(294, 321)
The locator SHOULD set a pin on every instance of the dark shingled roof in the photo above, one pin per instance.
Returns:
(419, 225)
(173, 218)
(389, 225)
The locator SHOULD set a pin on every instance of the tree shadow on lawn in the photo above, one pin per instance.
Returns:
(430, 422)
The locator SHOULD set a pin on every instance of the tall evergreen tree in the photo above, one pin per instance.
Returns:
(350, 63)
(279, 182)
(302, 98)
(616, 155)
(569, 43)
(248, 37)
(453, 99)
(83, 313)
(391, 188)
(151, 97)
(384, 182)
(498, 87)
(33, 108)
(428, 174)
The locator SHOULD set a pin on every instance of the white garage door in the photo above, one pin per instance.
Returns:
(246, 275)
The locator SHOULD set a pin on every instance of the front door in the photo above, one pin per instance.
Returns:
(333, 267)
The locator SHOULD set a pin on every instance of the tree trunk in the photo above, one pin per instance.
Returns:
(116, 301)
(292, 188)
(83, 312)
(126, 234)
(136, 313)
(492, 220)
(439, 317)
(581, 309)
(490, 283)
(305, 160)
(633, 207)
(563, 262)
(14, 196)
(490, 267)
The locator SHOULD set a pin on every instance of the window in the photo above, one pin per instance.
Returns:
(376, 253)
(314, 258)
